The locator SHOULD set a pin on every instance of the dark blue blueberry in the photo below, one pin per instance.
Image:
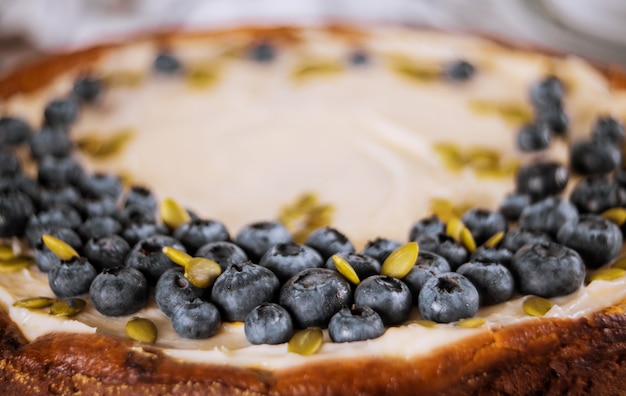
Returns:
(513, 204)
(241, 288)
(287, 259)
(101, 184)
(328, 241)
(106, 251)
(137, 231)
(454, 253)
(44, 258)
(448, 297)
(547, 269)
(173, 290)
(197, 233)
(429, 242)
(609, 130)
(71, 278)
(314, 295)
(515, 239)
(620, 177)
(59, 195)
(52, 141)
(355, 324)
(386, 295)
(547, 215)
(147, 256)
(596, 239)
(380, 248)
(96, 227)
(595, 194)
(498, 255)
(61, 112)
(429, 225)
(196, 320)
(55, 171)
(268, 323)
(554, 116)
(542, 179)
(426, 266)
(262, 52)
(141, 198)
(15, 210)
(483, 224)
(223, 253)
(22, 183)
(460, 70)
(87, 89)
(547, 91)
(13, 131)
(533, 137)
(493, 281)
(589, 157)
(119, 291)
(167, 63)
(358, 58)
(102, 206)
(61, 216)
(135, 214)
(9, 164)
(364, 266)
(258, 238)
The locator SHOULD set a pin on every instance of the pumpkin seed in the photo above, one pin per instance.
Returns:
(173, 214)
(98, 146)
(425, 323)
(316, 68)
(306, 342)
(202, 76)
(345, 269)
(6, 252)
(482, 158)
(620, 262)
(454, 227)
(142, 330)
(34, 302)
(124, 78)
(607, 274)
(67, 307)
(178, 256)
(536, 306)
(400, 261)
(411, 70)
(494, 240)
(512, 113)
(15, 264)
(305, 215)
(616, 215)
(59, 248)
(451, 156)
(471, 323)
(202, 272)
(467, 240)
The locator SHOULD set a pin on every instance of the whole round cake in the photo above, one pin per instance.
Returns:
(312, 211)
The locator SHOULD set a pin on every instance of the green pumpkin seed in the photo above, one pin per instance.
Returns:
(306, 342)
(494, 240)
(345, 269)
(59, 248)
(305, 215)
(202, 272)
(536, 306)
(67, 307)
(512, 113)
(411, 70)
(616, 215)
(15, 264)
(173, 214)
(202, 76)
(425, 323)
(400, 261)
(34, 302)
(98, 146)
(142, 330)
(482, 158)
(471, 323)
(6, 252)
(178, 256)
(606, 274)
(316, 68)
(451, 156)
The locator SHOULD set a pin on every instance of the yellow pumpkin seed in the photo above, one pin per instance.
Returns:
(305, 215)
(59, 248)
(454, 227)
(202, 76)
(616, 215)
(67, 307)
(482, 158)
(442, 208)
(306, 342)
(178, 256)
(467, 239)
(411, 70)
(471, 323)
(142, 330)
(15, 264)
(6, 252)
(451, 156)
(606, 274)
(620, 262)
(512, 113)
(494, 240)
(316, 68)
(536, 306)
(98, 146)
(400, 261)
(124, 78)
(173, 214)
(426, 323)
(34, 302)
(345, 269)
(202, 272)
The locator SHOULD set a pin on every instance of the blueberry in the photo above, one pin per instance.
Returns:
(59, 195)
(142, 199)
(107, 251)
(197, 319)
(547, 215)
(497, 255)
(262, 52)
(547, 91)
(448, 297)
(554, 116)
(197, 233)
(364, 266)
(96, 227)
(533, 137)
(355, 324)
(223, 253)
(147, 256)
(386, 295)
(358, 58)
(103, 206)
(119, 291)
(54, 171)
(61, 112)
(268, 323)
(15, 210)
(135, 214)
(609, 130)
(136, 231)
(513, 204)
(596, 239)
(429, 225)
(22, 183)
(258, 238)
(52, 141)
(13, 131)
(454, 253)
(166, 63)
(87, 89)
(547, 269)
(542, 179)
(460, 70)
(9, 164)
(595, 194)
(44, 258)
(328, 241)
(380, 248)
(515, 239)
(101, 184)
(287, 259)
(493, 281)
(589, 157)
(426, 266)
(173, 290)
(484, 223)
(61, 216)
(241, 287)
(71, 278)
(314, 295)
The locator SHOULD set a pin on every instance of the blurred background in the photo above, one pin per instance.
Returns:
(595, 29)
